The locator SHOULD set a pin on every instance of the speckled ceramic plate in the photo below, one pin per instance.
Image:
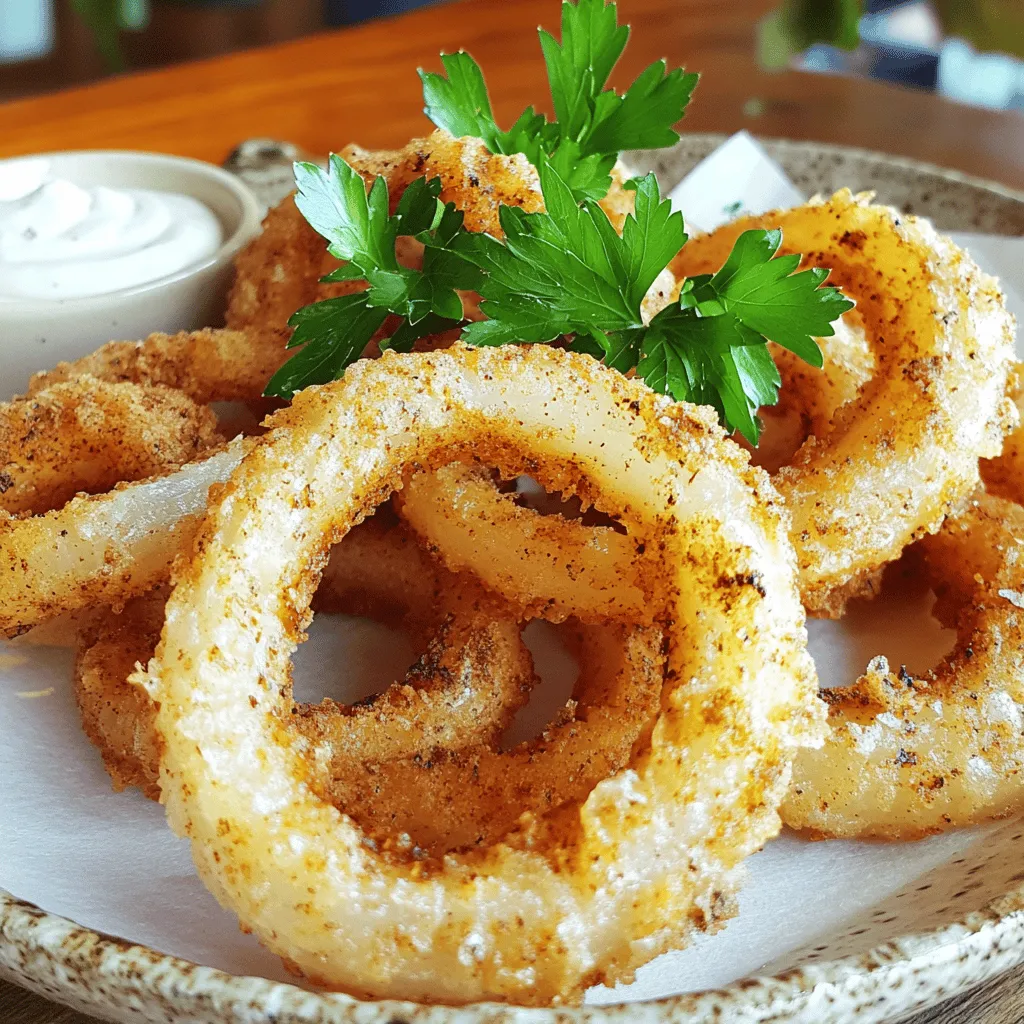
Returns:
(949, 929)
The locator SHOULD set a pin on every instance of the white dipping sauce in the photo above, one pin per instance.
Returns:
(62, 241)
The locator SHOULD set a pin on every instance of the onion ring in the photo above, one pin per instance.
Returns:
(476, 180)
(547, 565)
(103, 549)
(421, 758)
(473, 678)
(908, 755)
(651, 854)
(116, 716)
(210, 365)
(904, 453)
(475, 674)
(450, 798)
(87, 435)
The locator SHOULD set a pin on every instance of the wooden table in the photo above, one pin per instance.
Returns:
(360, 85)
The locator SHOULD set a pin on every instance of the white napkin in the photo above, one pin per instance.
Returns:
(736, 179)
(108, 861)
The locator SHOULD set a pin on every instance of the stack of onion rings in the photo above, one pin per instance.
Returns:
(527, 874)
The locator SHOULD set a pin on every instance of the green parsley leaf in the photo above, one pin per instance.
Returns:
(705, 360)
(334, 333)
(406, 336)
(354, 222)
(594, 123)
(579, 66)
(567, 272)
(459, 103)
(359, 229)
(643, 117)
(711, 347)
(791, 309)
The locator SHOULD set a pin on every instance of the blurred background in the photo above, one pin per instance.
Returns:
(966, 50)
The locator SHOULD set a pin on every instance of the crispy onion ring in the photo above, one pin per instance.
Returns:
(103, 549)
(476, 180)
(904, 453)
(452, 796)
(116, 716)
(210, 365)
(653, 851)
(547, 565)
(909, 755)
(474, 676)
(87, 435)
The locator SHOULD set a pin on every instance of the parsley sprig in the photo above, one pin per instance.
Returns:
(594, 123)
(566, 272)
(334, 332)
(563, 275)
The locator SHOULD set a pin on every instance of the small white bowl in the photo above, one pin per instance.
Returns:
(35, 334)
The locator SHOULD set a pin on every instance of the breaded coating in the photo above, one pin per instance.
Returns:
(211, 365)
(89, 435)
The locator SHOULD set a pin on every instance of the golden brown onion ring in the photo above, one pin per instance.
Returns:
(911, 755)
(547, 565)
(210, 365)
(116, 716)
(900, 456)
(103, 549)
(473, 794)
(476, 180)
(88, 435)
(531, 922)
(421, 758)
(474, 676)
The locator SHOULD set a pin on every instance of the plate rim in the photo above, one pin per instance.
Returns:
(105, 975)
(938, 963)
(906, 163)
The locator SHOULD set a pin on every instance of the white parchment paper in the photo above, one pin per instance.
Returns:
(109, 862)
